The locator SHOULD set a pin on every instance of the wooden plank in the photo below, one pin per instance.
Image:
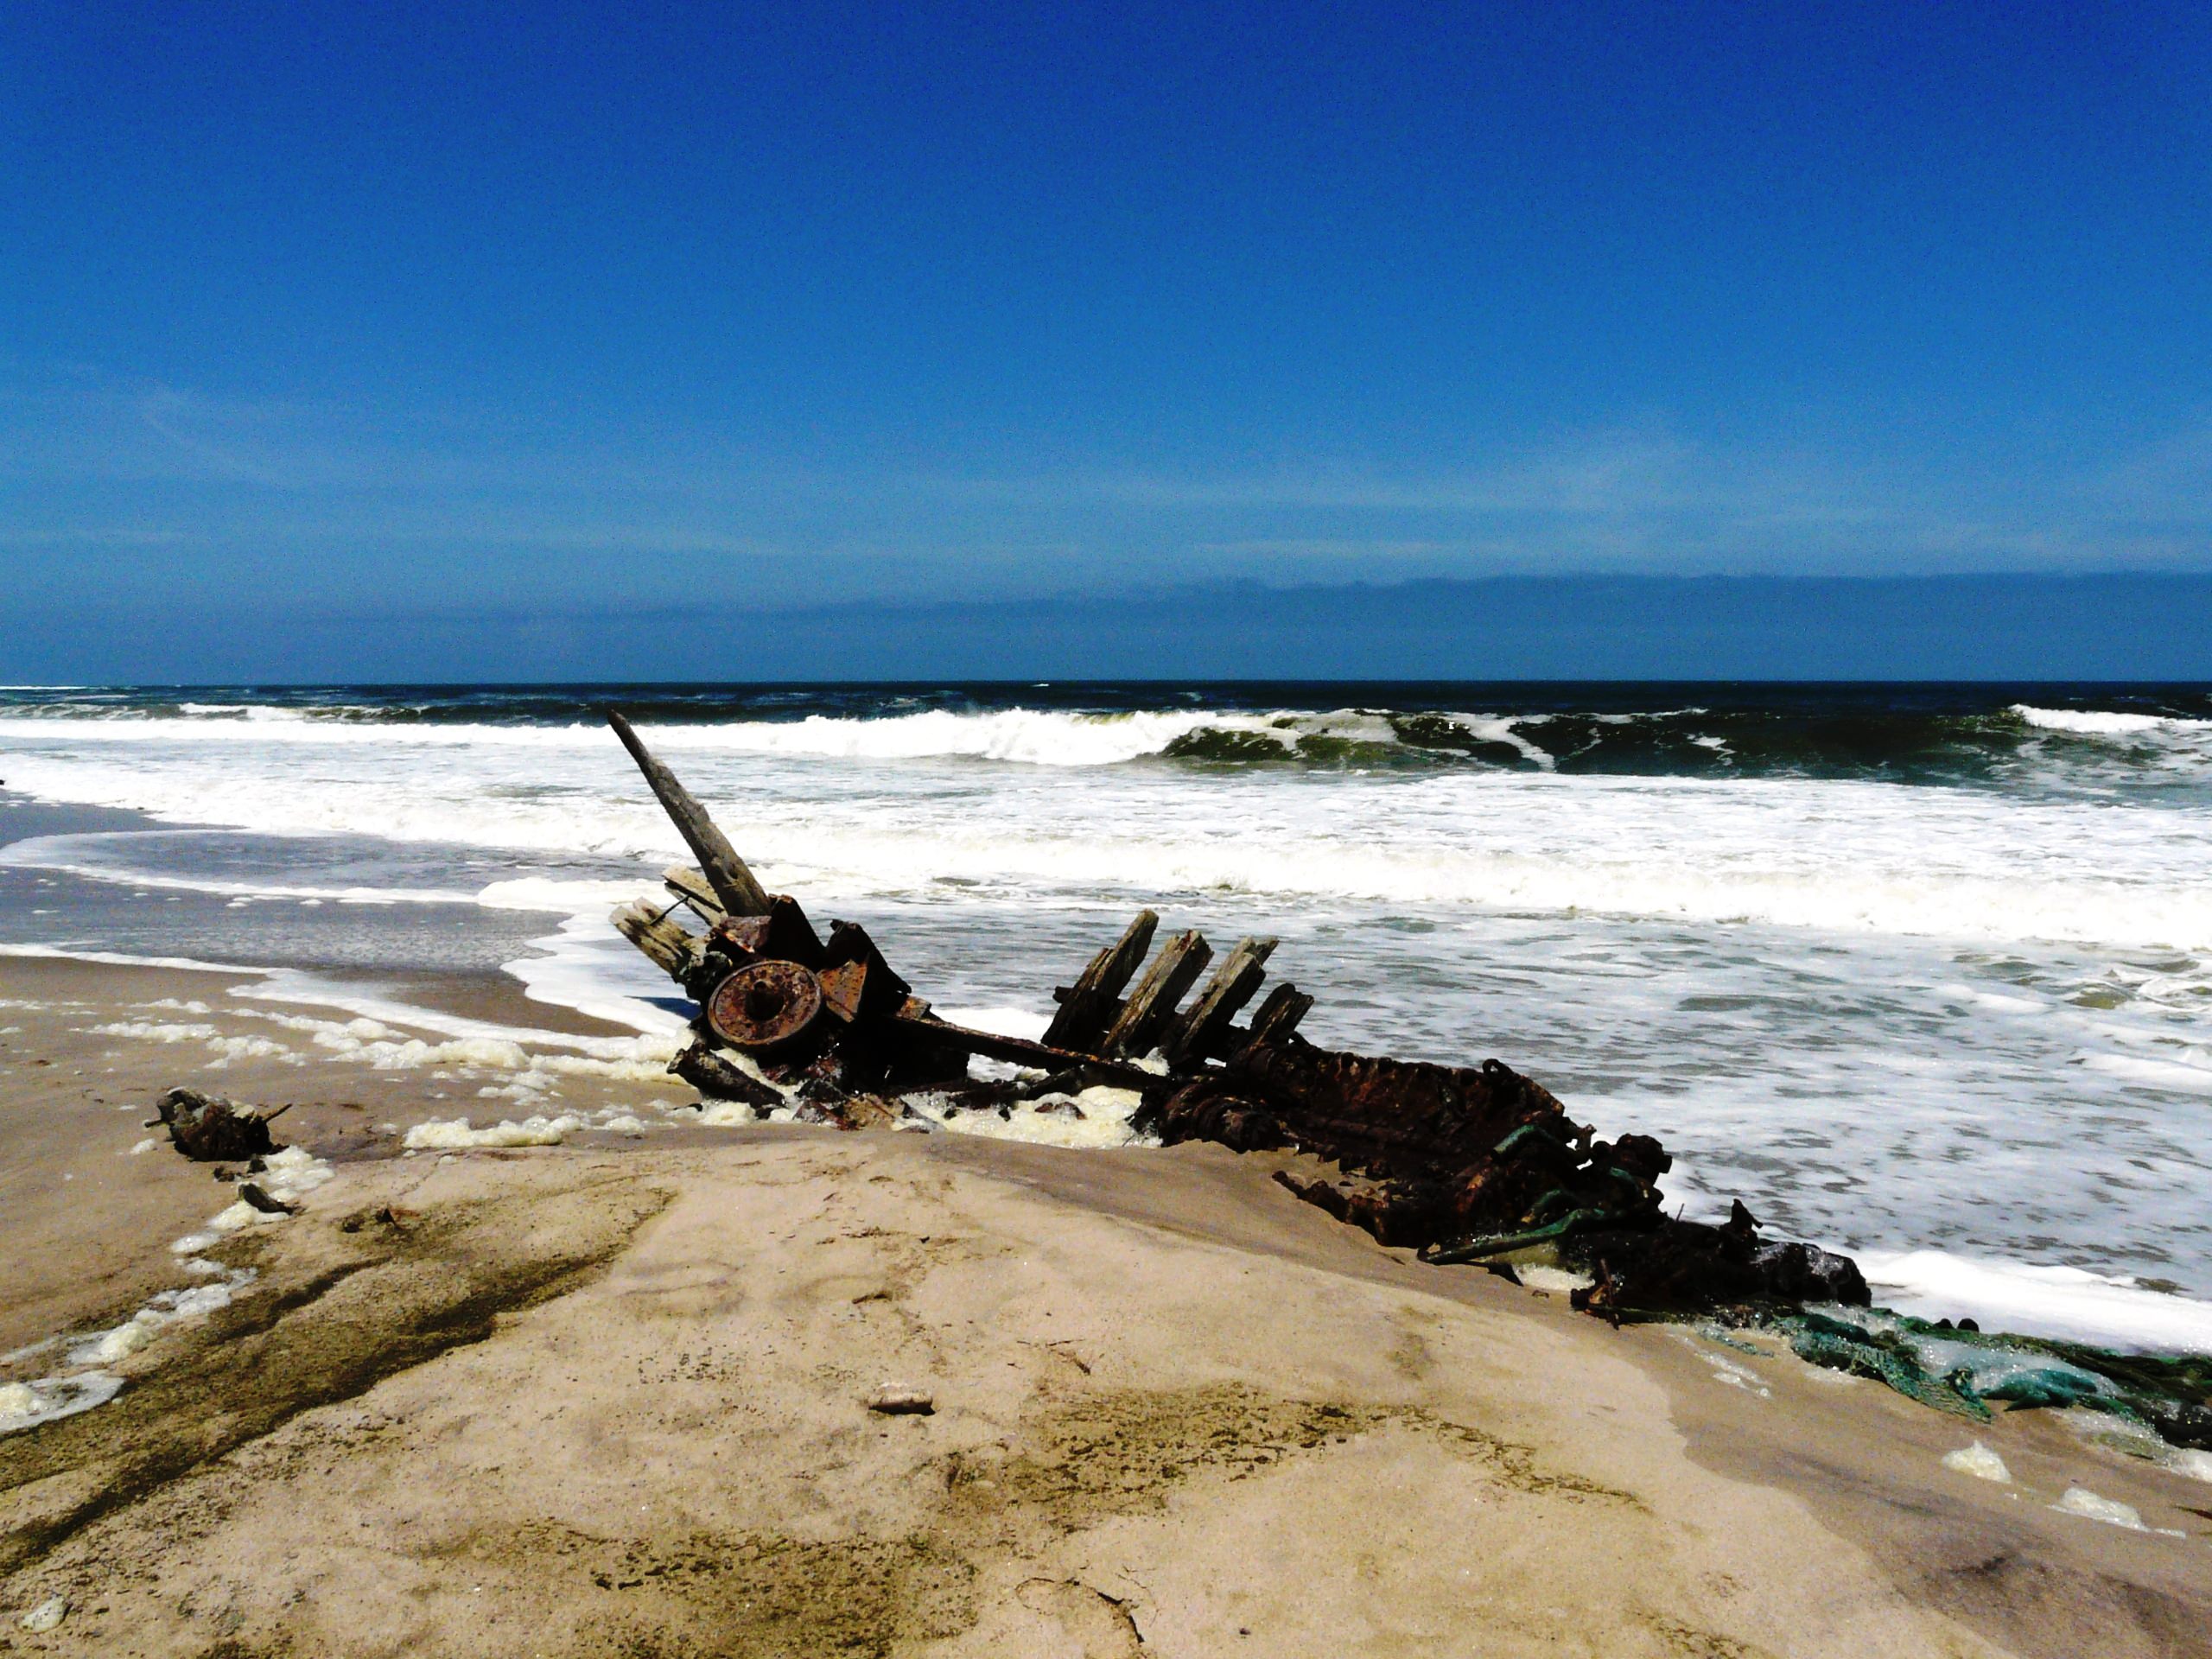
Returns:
(1234, 983)
(1180, 963)
(1092, 1002)
(692, 889)
(1277, 1016)
(673, 950)
(1020, 1051)
(721, 1078)
(734, 884)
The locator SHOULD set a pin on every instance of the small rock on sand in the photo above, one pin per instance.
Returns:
(47, 1616)
(902, 1402)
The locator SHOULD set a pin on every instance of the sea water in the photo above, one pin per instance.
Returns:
(1923, 972)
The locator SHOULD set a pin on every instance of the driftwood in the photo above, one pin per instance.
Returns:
(209, 1129)
(1476, 1165)
(254, 1197)
(733, 884)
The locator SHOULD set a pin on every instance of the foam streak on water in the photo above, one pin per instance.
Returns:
(1914, 969)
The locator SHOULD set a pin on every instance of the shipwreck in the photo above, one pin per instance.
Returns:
(1477, 1164)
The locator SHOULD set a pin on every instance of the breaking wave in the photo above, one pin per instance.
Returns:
(1730, 915)
(1893, 738)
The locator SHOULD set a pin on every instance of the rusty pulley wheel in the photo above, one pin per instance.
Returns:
(766, 1006)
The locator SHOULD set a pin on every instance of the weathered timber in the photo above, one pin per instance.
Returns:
(863, 1112)
(1482, 1165)
(734, 884)
(1278, 1015)
(1191, 1033)
(1020, 1051)
(691, 888)
(210, 1129)
(254, 1199)
(719, 1077)
(676, 952)
(782, 933)
(1172, 972)
(1091, 1002)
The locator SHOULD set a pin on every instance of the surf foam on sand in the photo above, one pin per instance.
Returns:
(286, 1176)
(2068, 1304)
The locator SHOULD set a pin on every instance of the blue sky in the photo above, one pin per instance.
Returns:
(312, 306)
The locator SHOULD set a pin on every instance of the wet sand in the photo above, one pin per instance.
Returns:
(611, 1396)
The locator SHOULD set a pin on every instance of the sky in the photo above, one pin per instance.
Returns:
(318, 310)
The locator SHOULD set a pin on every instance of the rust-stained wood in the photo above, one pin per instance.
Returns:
(1172, 972)
(1092, 1002)
(676, 952)
(693, 889)
(719, 1077)
(734, 884)
(1276, 1018)
(1020, 1051)
(783, 934)
(1191, 1033)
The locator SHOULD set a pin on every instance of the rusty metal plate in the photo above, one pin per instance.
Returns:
(768, 1006)
(843, 987)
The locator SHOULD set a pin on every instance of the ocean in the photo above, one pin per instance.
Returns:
(1922, 972)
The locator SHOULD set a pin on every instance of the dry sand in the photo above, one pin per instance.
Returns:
(610, 1397)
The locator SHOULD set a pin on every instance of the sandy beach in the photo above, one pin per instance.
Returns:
(942, 832)
(614, 1396)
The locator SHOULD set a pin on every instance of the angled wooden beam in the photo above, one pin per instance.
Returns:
(1021, 1052)
(690, 886)
(673, 950)
(1191, 1033)
(1137, 1029)
(725, 871)
(1092, 1002)
(1275, 1019)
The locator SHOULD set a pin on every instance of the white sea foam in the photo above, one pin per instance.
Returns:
(1726, 1370)
(1025, 1023)
(456, 1135)
(103, 1348)
(2079, 1500)
(1821, 853)
(1979, 1461)
(2195, 1078)
(287, 1176)
(2071, 1303)
(26, 1405)
(584, 965)
(1042, 737)
(153, 1031)
(2095, 723)
(1098, 1116)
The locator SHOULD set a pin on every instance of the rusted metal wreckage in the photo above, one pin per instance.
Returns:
(1465, 1164)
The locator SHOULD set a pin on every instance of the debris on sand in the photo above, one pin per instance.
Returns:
(1965, 1372)
(251, 1194)
(1465, 1164)
(210, 1129)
